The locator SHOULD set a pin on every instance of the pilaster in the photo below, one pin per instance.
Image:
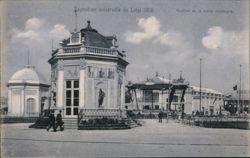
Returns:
(22, 108)
(9, 101)
(82, 88)
(60, 86)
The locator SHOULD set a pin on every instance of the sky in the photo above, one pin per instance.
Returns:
(164, 36)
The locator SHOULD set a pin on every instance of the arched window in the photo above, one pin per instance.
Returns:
(30, 107)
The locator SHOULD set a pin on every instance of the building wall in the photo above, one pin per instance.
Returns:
(18, 97)
(95, 82)
(209, 102)
(92, 75)
(15, 102)
(191, 101)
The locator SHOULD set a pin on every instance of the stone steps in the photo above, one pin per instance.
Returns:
(131, 123)
(70, 123)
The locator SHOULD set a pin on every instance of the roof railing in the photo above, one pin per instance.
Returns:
(101, 51)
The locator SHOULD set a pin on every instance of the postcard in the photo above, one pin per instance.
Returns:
(115, 78)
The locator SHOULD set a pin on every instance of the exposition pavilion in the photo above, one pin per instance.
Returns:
(88, 75)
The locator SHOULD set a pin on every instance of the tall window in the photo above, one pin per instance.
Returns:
(72, 97)
(30, 106)
(148, 96)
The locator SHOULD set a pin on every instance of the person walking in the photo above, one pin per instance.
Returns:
(52, 121)
(160, 115)
(59, 121)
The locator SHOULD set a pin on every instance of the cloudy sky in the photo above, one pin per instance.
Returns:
(170, 37)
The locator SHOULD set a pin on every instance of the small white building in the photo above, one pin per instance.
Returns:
(27, 93)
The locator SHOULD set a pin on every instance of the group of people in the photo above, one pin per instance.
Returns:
(55, 122)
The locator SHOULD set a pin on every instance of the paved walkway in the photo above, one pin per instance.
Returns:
(153, 139)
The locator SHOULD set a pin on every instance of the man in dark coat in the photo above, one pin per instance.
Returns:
(59, 121)
(52, 121)
(160, 115)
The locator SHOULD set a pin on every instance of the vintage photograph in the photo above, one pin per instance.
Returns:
(116, 78)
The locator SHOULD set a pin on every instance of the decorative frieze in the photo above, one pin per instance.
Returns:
(71, 72)
(30, 92)
(60, 65)
(16, 91)
(100, 72)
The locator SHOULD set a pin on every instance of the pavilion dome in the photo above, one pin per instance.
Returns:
(28, 74)
(94, 39)
(160, 80)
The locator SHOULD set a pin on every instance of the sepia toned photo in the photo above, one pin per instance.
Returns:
(116, 78)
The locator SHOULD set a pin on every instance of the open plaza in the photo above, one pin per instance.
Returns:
(150, 140)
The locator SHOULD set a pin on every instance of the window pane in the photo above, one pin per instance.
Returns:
(68, 94)
(76, 102)
(76, 94)
(68, 84)
(68, 102)
(75, 111)
(76, 84)
(68, 111)
(155, 97)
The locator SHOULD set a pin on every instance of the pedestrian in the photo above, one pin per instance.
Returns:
(160, 116)
(59, 121)
(52, 121)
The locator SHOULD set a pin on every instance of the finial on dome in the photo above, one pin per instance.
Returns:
(89, 26)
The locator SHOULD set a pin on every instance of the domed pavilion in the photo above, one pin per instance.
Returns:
(27, 93)
(88, 75)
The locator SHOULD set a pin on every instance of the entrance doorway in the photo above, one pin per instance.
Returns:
(72, 97)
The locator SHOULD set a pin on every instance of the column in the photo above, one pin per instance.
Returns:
(23, 101)
(122, 96)
(59, 91)
(123, 91)
(82, 89)
(160, 99)
(108, 95)
(9, 101)
(38, 102)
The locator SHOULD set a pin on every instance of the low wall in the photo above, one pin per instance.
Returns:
(219, 122)
(100, 113)
(14, 119)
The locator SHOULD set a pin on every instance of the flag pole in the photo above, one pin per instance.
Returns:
(200, 84)
(240, 92)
